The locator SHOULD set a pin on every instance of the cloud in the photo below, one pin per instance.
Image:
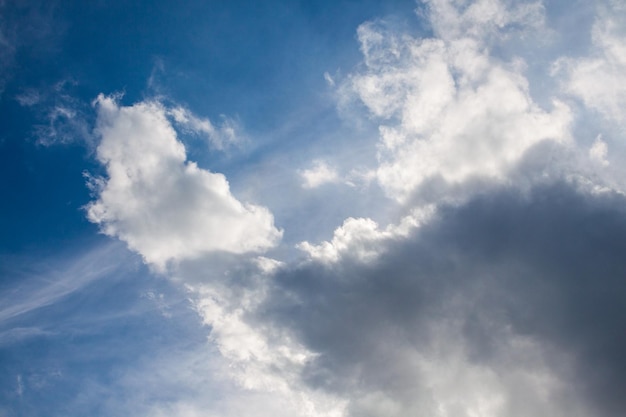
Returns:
(321, 173)
(492, 20)
(168, 209)
(448, 107)
(599, 151)
(50, 285)
(600, 78)
(262, 362)
(508, 305)
(495, 290)
(28, 98)
(62, 118)
(504, 302)
(163, 206)
(220, 137)
(361, 238)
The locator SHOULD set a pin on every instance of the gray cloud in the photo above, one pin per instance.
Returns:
(517, 281)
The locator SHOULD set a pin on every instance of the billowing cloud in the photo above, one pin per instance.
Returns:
(163, 206)
(449, 108)
(600, 78)
(509, 305)
(361, 238)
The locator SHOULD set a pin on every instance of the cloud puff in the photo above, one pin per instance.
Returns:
(162, 206)
(361, 238)
(598, 151)
(600, 78)
(320, 173)
(448, 108)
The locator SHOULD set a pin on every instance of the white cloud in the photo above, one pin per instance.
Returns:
(329, 79)
(600, 78)
(28, 98)
(220, 137)
(447, 107)
(162, 206)
(166, 208)
(320, 173)
(483, 19)
(599, 151)
(362, 238)
(264, 360)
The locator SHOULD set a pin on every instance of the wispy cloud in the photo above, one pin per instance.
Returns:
(320, 173)
(43, 288)
(226, 134)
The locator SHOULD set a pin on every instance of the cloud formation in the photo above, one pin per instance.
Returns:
(509, 305)
(448, 107)
(600, 78)
(497, 288)
(320, 173)
(219, 137)
(163, 206)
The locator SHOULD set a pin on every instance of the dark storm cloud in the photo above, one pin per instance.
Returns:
(545, 264)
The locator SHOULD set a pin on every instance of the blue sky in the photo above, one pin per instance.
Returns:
(316, 209)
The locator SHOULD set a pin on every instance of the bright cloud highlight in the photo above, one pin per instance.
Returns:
(163, 206)
(449, 109)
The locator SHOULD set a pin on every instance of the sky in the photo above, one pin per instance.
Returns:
(313, 209)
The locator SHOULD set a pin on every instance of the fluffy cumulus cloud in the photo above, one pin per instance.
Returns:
(600, 78)
(163, 206)
(361, 238)
(449, 108)
(168, 209)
